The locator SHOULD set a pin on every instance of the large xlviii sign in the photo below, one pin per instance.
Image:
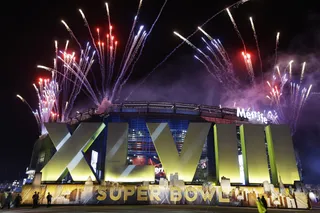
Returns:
(71, 148)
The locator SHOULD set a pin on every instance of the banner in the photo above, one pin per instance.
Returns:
(164, 194)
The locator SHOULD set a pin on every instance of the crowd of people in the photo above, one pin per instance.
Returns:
(35, 199)
(7, 200)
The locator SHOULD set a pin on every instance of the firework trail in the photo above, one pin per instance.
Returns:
(143, 44)
(246, 56)
(257, 43)
(221, 52)
(276, 49)
(68, 78)
(249, 67)
(225, 70)
(236, 29)
(219, 64)
(287, 96)
(35, 113)
(131, 32)
(71, 33)
(192, 45)
(290, 69)
(302, 71)
(46, 93)
(208, 69)
(236, 4)
(218, 74)
(71, 73)
(111, 83)
(136, 44)
(286, 106)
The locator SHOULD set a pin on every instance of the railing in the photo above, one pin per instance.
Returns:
(160, 107)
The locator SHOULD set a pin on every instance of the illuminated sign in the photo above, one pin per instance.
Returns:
(256, 116)
(69, 156)
(206, 194)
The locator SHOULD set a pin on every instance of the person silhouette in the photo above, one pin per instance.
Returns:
(49, 198)
(34, 200)
(18, 200)
(9, 199)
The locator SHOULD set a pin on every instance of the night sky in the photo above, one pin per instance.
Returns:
(29, 28)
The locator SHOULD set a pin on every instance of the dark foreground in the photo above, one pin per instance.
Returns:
(149, 209)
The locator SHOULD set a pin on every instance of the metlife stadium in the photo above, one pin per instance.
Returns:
(141, 150)
(166, 153)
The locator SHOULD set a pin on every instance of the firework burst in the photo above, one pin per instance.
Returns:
(47, 91)
(288, 95)
(105, 46)
(69, 73)
(285, 106)
(71, 70)
(234, 5)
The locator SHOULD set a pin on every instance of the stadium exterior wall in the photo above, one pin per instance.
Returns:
(176, 153)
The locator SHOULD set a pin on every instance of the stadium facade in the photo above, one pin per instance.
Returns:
(153, 143)
(140, 149)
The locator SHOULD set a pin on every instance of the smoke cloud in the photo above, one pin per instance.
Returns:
(182, 81)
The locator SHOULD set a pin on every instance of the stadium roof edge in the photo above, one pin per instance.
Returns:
(161, 108)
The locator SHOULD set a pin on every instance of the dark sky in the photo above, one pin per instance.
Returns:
(30, 27)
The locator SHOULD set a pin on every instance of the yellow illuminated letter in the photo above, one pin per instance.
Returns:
(70, 149)
(185, 164)
(220, 197)
(128, 191)
(208, 195)
(112, 191)
(116, 168)
(154, 193)
(142, 193)
(281, 154)
(226, 152)
(254, 155)
(175, 194)
(194, 194)
(102, 195)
